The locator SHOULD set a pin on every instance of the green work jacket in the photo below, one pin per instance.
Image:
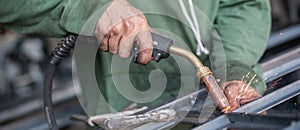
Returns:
(235, 32)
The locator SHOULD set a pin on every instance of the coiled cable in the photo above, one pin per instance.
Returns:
(63, 49)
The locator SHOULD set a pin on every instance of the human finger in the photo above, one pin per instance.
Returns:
(125, 46)
(104, 43)
(114, 40)
(144, 41)
(249, 94)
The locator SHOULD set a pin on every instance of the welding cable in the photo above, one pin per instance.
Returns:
(62, 50)
(194, 26)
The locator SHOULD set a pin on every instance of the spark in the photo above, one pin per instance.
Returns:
(247, 74)
(245, 86)
(275, 83)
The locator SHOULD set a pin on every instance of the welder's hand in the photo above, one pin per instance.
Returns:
(239, 93)
(119, 26)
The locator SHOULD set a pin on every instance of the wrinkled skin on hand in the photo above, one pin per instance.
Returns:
(239, 93)
(120, 25)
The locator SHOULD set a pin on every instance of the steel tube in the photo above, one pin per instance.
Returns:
(283, 36)
(281, 65)
(258, 121)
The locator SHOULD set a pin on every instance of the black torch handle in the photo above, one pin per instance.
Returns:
(161, 47)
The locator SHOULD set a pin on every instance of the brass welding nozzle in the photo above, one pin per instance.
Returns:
(206, 76)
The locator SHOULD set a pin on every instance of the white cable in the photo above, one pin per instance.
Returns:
(186, 16)
(194, 16)
(194, 26)
(190, 22)
(200, 47)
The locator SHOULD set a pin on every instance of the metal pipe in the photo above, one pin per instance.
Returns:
(293, 10)
(282, 36)
(281, 65)
(205, 75)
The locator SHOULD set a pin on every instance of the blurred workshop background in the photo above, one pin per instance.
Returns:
(21, 72)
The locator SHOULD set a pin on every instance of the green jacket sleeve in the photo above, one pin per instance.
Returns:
(53, 18)
(244, 27)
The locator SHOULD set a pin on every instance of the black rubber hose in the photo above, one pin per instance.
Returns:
(62, 50)
(48, 105)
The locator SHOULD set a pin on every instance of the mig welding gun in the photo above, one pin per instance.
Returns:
(162, 47)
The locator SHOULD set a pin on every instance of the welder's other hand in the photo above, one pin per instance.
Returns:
(119, 26)
(239, 93)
